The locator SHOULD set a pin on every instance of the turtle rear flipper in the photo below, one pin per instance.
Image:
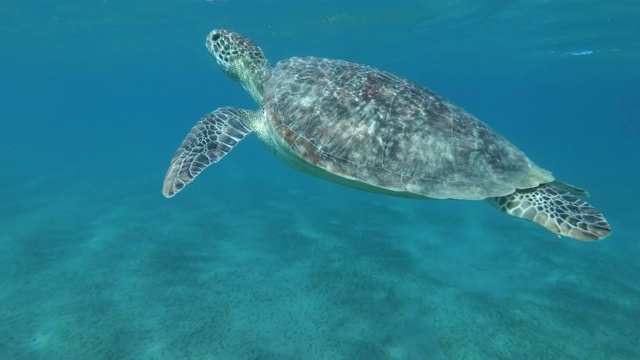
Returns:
(209, 141)
(557, 210)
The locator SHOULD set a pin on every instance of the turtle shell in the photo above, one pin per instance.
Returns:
(374, 129)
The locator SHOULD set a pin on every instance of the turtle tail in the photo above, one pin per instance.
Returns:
(557, 209)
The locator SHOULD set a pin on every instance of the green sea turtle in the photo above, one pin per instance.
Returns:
(374, 131)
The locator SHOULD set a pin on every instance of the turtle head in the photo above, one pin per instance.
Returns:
(241, 59)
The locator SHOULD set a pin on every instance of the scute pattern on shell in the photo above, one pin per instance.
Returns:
(368, 125)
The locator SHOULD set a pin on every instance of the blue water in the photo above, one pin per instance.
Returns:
(257, 261)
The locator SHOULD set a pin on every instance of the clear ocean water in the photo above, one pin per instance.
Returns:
(255, 260)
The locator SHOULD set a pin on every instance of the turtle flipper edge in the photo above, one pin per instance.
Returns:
(209, 141)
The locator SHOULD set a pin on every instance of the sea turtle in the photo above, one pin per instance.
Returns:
(372, 130)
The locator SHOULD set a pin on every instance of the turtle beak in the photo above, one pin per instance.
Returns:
(211, 39)
(210, 43)
(215, 43)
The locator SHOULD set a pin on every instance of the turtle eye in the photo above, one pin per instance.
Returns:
(215, 37)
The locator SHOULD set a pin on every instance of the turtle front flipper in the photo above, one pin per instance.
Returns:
(557, 210)
(209, 141)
